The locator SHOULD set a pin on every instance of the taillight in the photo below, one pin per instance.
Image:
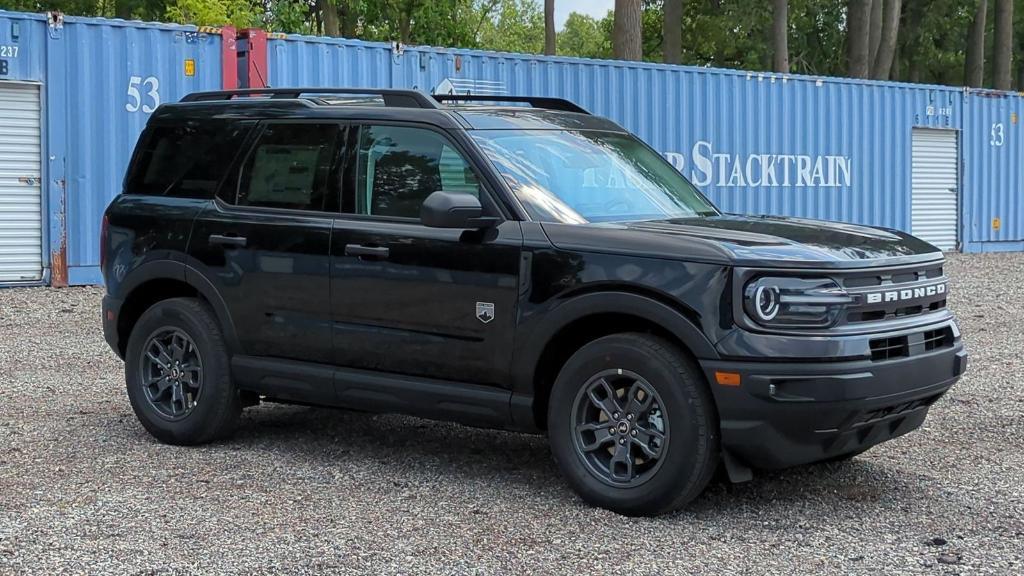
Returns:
(104, 230)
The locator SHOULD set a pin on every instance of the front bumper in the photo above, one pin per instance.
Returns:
(786, 413)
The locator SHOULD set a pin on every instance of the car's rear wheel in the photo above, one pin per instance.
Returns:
(632, 425)
(177, 374)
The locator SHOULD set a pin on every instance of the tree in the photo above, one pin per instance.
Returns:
(328, 12)
(974, 67)
(583, 36)
(887, 42)
(672, 32)
(910, 37)
(874, 30)
(549, 27)
(858, 15)
(780, 36)
(517, 26)
(1002, 47)
(627, 38)
(239, 13)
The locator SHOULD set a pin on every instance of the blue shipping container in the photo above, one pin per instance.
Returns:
(830, 148)
(98, 80)
(938, 161)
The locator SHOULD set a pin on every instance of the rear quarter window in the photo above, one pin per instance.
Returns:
(187, 159)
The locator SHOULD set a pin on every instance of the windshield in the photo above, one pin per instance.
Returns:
(582, 176)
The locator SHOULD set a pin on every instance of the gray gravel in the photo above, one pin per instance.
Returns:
(83, 489)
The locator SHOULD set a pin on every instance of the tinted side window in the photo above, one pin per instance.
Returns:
(295, 166)
(187, 159)
(398, 167)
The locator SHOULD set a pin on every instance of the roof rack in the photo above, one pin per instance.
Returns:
(393, 98)
(535, 101)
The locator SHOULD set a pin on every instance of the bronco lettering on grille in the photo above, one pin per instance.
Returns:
(906, 294)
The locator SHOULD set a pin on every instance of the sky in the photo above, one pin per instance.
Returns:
(595, 8)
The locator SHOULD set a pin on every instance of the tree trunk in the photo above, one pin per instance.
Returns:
(123, 9)
(329, 13)
(627, 31)
(549, 27)
(874, 30)
(348, 19)
(1002, 47)
(911, 40)
(858, 15)
(887, 44)
(672, 32)
(974, 65)
(780, 36)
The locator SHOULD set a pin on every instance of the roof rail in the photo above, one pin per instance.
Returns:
(393, 98)
(535, 101)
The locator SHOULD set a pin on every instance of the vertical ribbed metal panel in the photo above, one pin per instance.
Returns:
(993, 179)
(305, 61)
(756, 143)
(21, 212)
(115, 74)
(935, 187)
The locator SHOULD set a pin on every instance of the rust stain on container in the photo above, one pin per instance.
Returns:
(59, 266)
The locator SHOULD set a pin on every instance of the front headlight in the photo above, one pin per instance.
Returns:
(794, 302)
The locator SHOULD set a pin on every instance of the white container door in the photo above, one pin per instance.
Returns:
(21, 207)
(935, 187)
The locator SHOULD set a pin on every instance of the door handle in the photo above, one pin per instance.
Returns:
(369, 252)
(227, 241)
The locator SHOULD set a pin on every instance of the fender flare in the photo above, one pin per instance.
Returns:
(617, 302)
(181, 272)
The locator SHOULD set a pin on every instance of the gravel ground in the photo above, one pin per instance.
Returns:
(83, 488)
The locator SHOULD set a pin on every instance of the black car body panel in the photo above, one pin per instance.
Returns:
(376, 313)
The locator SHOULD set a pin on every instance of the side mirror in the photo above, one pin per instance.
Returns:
(453, 210)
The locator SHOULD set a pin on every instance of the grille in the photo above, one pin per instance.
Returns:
(910, 344)
(863, 284)
(901, 277)
(934, 339)
(886, 348)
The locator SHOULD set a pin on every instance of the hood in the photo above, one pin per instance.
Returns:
(750, 241)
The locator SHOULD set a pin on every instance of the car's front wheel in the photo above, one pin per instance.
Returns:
(178, 375)
(632, 425)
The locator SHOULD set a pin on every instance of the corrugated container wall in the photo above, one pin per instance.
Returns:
(993, 212)
(78, 91)
(755, 143)
(100, 79)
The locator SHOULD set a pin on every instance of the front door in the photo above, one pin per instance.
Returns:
(265, 243)
(407, 298)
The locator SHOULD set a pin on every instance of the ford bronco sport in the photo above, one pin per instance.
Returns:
(525, 266)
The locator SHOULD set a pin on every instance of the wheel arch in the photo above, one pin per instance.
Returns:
(160, 280)
(585, 318)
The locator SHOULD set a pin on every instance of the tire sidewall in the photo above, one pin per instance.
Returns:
(691, 432)
(216, 392)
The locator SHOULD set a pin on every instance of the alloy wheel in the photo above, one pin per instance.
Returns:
(172, 373)
(620, 429)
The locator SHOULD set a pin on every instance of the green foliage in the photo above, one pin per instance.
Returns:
(584, 36)
(239, 13)
(288, 16)
(517, 26)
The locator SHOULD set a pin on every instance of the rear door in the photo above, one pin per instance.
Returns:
(409, 299)
(265, 242)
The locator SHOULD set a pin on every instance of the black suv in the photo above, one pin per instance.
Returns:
(526, 266)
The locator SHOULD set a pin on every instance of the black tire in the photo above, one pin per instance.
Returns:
(214, 413)
(685, 462)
